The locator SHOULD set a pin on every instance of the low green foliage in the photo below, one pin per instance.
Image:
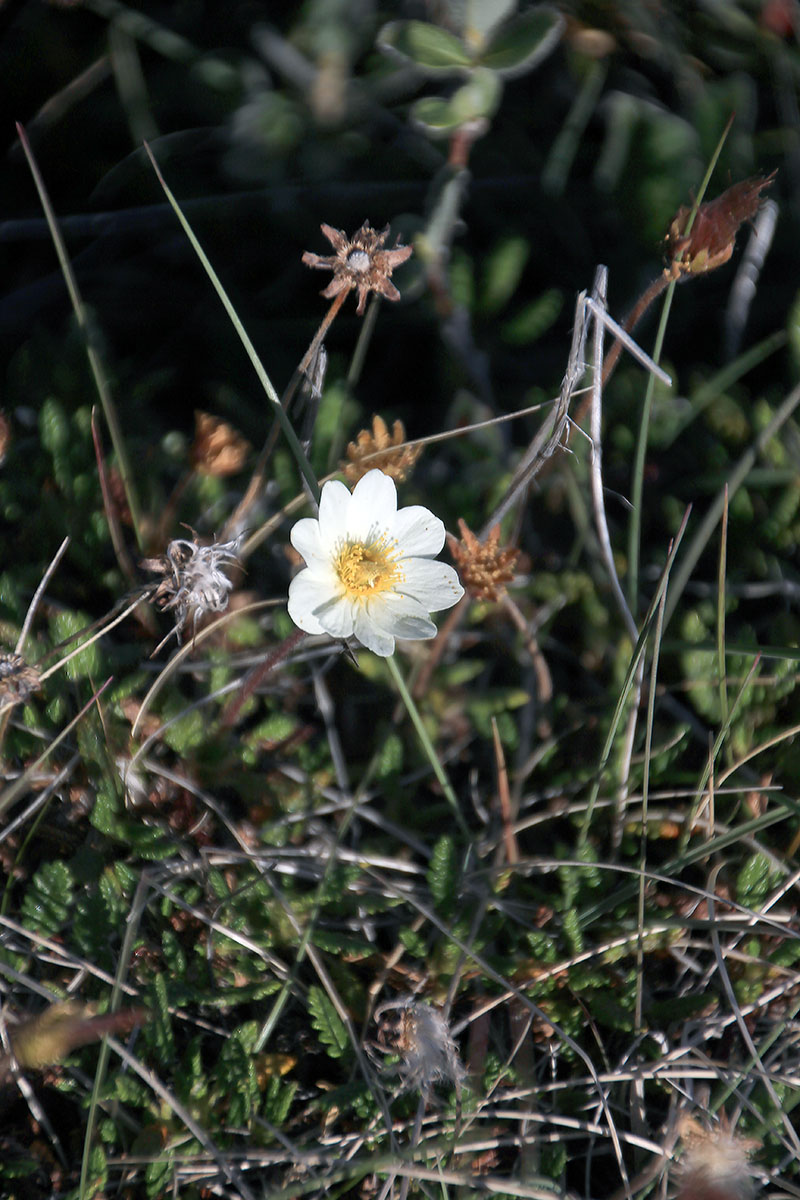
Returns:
(507, 931)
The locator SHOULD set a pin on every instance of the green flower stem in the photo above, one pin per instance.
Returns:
(637, 485)
(426, 743)
(264, 379)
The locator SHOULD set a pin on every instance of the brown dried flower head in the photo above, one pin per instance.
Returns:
(217, 449)
(710, 242)
(485, 567)
(380, 449)
(360, 262)
(18, 680)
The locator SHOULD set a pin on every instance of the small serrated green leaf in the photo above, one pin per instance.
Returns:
(107, 806)
(443, 873)
(159, 1177)
(161, 1025)
(523, 42)
(147, 841)
(754, 881)
(572, 930)
(427, 46)
(278, 1097)
(390, 757)
(46, 904)
(327, 1022)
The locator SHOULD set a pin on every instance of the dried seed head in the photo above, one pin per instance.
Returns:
(217, 449)
(420, 1035)
(194, 580)
(360, 262)
(18, 680)
(380, 449)
(710, 241)
(485, 568)
(716, 1163)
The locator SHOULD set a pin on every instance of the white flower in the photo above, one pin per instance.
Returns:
(370, 569)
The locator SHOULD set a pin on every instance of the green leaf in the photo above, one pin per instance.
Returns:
(443, 873)
(572, 930)
(327, 1022)
(159, 1177)
(390, 757)
(161, 1026)
(47, 901)
(65, 625)
(427, 46)
(754, 881)
(534, 319)
(147, 840)
(435, 116)
(477, 99)
(93, 928)
(278, 1098)
(523, 42)
(503, 272)
(793, 331)
(104, 815)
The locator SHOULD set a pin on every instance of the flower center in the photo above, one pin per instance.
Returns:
(358, 260)
(366, 570)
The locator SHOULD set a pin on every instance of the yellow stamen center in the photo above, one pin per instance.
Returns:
(366, 570)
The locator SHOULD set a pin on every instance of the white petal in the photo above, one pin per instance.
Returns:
(434, 584)
(401, 616)
(337, 616)
(373, 508)
(306, 593)
(306, 539)
(418, 531)
(334, 506)
(371, 636)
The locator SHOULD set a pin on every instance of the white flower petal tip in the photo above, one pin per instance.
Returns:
(370, 569)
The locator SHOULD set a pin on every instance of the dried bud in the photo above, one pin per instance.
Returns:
(710, 242)
(484, 567)
(18, 681)
(380, 449)
(61, 1028)
(217, 449)
(716, 1163)
(360, 262)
